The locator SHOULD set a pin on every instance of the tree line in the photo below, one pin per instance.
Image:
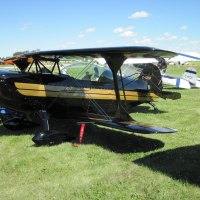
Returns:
(17, 53)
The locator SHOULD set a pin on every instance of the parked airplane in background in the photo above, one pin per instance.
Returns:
(190, 75)
(175, 81)
(189, 78)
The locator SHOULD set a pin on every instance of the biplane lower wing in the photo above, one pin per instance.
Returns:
(136, 127)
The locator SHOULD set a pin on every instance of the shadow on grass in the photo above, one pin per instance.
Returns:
(115, 141)
(146, 109)
(120, 142)
(181, 163)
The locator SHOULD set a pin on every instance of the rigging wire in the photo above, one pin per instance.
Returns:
(77, 83)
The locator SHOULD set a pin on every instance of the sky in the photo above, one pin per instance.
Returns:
(69, 24)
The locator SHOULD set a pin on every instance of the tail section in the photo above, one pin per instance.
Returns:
(198, 83)
(190, 75)
(175, 81)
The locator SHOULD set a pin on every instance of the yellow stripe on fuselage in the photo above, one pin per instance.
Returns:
(38, 90)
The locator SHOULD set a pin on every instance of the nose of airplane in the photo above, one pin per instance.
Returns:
(3, 72)
(2, 75)
(7, 88)
(5, 76)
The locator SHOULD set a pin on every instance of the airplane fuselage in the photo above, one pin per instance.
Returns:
(61, 94)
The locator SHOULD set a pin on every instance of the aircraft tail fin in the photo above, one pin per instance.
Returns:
(190, 75)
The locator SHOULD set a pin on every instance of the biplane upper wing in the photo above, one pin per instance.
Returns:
(22, 61)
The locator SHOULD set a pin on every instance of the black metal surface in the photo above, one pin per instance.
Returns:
(12, 99)
(136, 127)
(51, 138)
(123, 52)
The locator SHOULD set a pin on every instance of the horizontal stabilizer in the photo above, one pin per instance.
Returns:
(135, 127)
(198, 83)
(190, 75)
(170, 95)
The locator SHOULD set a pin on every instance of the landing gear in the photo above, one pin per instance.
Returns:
(14, 123)
(154, 106)
(15, 120)
(49, 137)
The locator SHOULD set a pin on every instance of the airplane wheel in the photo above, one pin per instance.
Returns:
(12, 124)
(41, 139)
(16, 123)
(51, 138)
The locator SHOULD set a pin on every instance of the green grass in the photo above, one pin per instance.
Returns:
(111, 164)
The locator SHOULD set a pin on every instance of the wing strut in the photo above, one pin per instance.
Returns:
(115, 62)
(124, 93)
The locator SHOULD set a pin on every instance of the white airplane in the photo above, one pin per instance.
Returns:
(175, 81)
(190, 75)
(198, 83)
(189, 78)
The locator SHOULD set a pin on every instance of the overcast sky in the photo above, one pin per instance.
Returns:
(66, 24)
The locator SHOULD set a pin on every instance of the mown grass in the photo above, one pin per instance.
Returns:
(111, 164)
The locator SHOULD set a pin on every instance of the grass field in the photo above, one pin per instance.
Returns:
(111, 164)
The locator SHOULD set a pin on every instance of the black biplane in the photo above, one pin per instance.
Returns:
(72, 84)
